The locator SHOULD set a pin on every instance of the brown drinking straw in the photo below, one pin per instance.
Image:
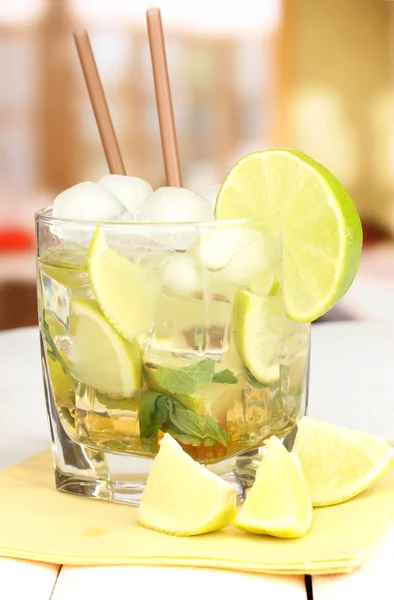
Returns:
(99, 103)
(163, 98)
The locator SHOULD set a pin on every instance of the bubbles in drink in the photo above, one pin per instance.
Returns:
(131, 191)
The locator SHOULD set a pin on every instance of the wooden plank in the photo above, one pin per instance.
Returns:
(20, 579)
(365, 582)
(101, 583)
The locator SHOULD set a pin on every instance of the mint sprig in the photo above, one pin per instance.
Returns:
(188, 379)
(225, 376)
(159, 411)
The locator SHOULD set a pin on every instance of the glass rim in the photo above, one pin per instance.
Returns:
(44, 215)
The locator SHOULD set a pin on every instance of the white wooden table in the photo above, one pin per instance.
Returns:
(351, 376)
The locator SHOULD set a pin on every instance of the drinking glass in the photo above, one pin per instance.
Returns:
(215, 362)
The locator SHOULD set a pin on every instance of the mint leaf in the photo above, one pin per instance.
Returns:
(187, 380)
(253, 381)
(159, 411)
(153, 413)
(122, 403)
(225, 376)
(188, 440)
(202, 427)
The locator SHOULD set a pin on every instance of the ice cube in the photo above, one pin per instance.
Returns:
(175, 205)
(88, 201)
(211, 194)
(85, 201)
(237, 254)
(131, 191)
(181, 274)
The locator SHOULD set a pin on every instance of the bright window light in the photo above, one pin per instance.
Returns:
(20, 12)
(252, 17)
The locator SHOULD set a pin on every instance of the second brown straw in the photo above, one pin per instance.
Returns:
(163, 98)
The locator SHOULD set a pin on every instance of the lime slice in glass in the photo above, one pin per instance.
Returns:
(301, 202)
(126, 293)
(182, 497)
(278, 503)
(99, 356)
(261, 331)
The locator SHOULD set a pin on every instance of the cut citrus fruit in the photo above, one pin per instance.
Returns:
(182, 497)
(100, 357)
(261, 333)
(300, 201)
(278, 503)
(338, 463)
(125, 293)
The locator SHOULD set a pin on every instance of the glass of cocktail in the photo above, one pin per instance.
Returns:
(148, 328)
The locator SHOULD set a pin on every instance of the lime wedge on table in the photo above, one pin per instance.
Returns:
(278, 503)
(338, 463)
(182, 497)
(260, 330)
(100, 357)
(297, 198)
(124, 291)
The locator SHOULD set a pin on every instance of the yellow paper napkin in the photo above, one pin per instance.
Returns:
(39, 523)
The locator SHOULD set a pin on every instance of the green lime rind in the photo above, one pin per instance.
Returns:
(301, 202)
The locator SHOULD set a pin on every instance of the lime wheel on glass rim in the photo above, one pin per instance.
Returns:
(300, 201)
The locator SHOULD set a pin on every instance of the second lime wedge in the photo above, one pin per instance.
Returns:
(278, 503)
(301, 202)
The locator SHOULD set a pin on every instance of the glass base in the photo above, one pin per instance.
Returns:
(117, 478)
(121, 478)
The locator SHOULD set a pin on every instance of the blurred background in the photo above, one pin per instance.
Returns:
(315, 76)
